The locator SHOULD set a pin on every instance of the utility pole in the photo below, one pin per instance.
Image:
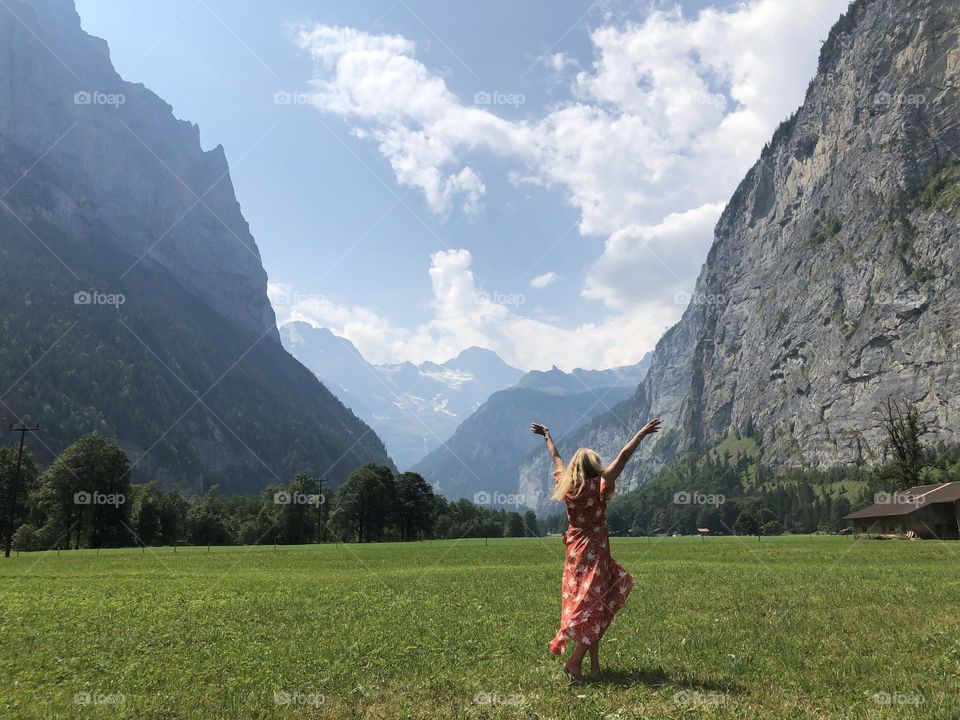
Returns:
(15, 486)
(320, 510)
(323, 512)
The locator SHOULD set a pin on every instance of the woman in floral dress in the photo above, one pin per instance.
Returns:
(595, 586)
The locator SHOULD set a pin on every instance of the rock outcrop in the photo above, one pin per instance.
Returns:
(142, 169)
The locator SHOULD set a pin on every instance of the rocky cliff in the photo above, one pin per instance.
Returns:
(831, 282)
(142, 169)
(133, 297)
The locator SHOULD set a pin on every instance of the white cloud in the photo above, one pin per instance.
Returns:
(465, 315)
(374, 335)
(652, 263)
(541, 281)
(560, 62)
(675, 110)
(670, 116)
(420, 126)
(652, 143)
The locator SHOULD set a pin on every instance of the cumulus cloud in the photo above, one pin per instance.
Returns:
(465, 315)
(652, 263)
(541, 281)
(421, 128)
(675, 110)
(373, 334)
(670, 116)
(651, 143)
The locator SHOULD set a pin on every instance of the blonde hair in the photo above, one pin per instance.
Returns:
(584, 465)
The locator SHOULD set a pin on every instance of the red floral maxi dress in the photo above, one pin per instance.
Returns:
(595, 586)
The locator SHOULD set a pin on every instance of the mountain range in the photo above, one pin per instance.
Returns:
(414, 408)
(482, 459)
(831, 284)
(463, 424)
(133, 297)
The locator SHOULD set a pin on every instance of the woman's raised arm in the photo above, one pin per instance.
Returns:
(540, 429)
(616, 467)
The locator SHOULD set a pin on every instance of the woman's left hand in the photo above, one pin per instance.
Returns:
(651, 427)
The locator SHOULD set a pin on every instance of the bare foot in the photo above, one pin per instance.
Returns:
(572, 672)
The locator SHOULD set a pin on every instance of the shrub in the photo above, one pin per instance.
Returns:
(771, 528)
(27, 538)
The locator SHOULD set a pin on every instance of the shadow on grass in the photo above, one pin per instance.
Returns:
(657, 677)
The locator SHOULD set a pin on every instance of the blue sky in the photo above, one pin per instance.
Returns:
(540, 178)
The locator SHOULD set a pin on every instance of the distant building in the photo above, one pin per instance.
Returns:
(931, 511)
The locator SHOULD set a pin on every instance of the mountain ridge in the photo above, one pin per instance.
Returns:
(414, 407)
(484, 454)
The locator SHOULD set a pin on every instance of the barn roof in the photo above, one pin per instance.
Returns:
(909, 501)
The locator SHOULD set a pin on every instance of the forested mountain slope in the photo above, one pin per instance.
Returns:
(132, 293)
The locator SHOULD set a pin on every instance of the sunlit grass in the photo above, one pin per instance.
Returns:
(724, 628)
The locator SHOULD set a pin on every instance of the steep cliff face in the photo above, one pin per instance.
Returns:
(142, 172)
(132, 298)
(831, 283)
(836, 258)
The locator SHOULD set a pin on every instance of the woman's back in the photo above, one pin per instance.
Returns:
(588, 508)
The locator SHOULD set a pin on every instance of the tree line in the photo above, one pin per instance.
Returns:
(85, 499)
(735, 493)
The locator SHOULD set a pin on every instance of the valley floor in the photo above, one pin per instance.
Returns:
(789, 627)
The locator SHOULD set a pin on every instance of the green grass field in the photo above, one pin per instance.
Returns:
(822, 627)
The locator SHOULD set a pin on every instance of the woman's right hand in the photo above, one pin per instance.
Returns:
(540, 429)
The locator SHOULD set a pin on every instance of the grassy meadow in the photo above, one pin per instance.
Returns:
(790, 627)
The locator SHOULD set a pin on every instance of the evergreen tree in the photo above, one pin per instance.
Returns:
(205, 522)
(514, 526)
(531, 526)
(173, 517)
(414, 506)
(146, 519)
(365, 502)
(298, 508)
